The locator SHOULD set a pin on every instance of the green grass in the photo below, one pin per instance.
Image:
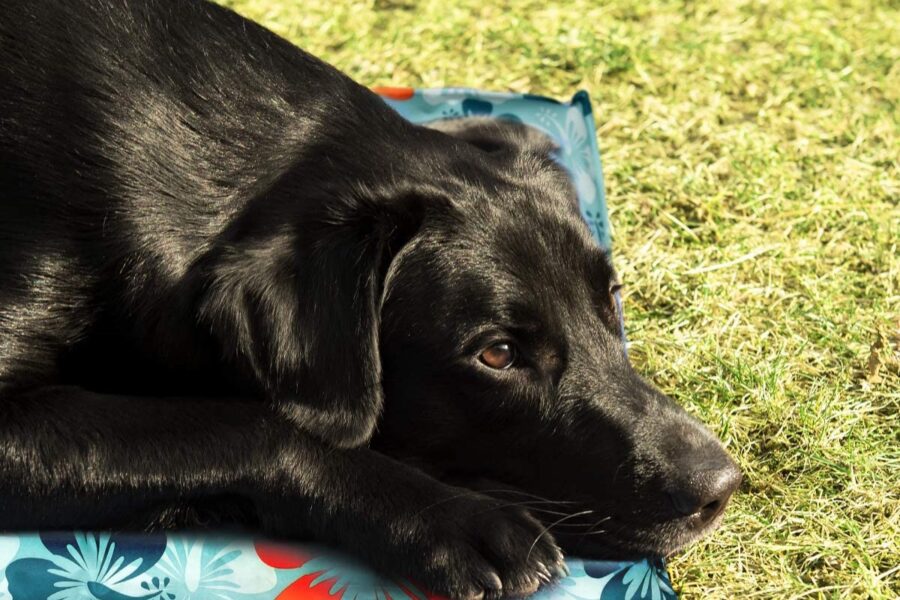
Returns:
(751, 154)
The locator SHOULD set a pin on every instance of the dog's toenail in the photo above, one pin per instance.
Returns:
(561, 570)
(493, 582)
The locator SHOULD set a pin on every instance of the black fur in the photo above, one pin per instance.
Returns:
(236, 287)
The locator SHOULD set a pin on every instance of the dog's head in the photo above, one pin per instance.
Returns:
(505, 365)
(458, 315)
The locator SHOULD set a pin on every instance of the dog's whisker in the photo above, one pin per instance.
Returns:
(551, 526)
(525, 504)
(527, 494)
(544, 511)
(577, 526)
(445, 500)
(588, 527)
(547, 503)
(592, 530)
(590, 533)
(528, 503)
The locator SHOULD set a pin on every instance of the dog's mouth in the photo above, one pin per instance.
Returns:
(617, 538)
(589, 530)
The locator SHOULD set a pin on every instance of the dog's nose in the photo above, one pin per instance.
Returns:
(706, 490)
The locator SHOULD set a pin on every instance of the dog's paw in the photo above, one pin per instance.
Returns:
(477, 547)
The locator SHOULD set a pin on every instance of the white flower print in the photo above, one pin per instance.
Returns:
(93, 560)
(214, 572)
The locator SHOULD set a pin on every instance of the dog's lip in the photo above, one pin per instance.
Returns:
(628, 539)
(636, 534)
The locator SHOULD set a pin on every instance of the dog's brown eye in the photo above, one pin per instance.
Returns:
(614, 287)
(499, 356)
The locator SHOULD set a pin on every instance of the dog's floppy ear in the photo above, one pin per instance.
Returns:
(294, 297)
(497, 135)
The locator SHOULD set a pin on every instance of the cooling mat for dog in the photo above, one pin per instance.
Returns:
(103, 566)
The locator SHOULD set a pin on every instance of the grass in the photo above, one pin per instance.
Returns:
(751, 153)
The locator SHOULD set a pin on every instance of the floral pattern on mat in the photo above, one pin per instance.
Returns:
(104, 566)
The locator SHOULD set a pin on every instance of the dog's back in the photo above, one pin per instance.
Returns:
(152, 123)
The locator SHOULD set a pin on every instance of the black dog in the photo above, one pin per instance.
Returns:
(235, 287)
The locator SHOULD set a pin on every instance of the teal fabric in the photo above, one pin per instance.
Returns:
(102, 566)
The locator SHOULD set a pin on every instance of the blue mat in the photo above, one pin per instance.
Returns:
(99, 566)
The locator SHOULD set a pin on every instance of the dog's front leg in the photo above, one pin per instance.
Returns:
(70, 458)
